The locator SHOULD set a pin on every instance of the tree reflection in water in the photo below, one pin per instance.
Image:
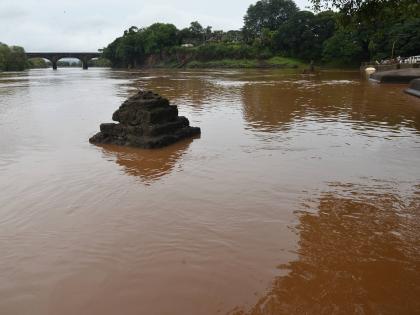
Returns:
(359, 253)
(148, 165)
(288, 103)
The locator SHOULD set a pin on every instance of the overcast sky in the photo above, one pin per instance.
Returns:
(87, 25)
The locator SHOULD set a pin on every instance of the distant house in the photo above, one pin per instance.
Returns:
(187, 45)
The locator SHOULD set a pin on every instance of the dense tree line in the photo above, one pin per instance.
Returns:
(12, 58)
(341, 32)
(372, 29)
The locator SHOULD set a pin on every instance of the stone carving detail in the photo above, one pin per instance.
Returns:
(146, 120)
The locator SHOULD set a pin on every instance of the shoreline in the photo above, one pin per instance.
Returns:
(216, 67)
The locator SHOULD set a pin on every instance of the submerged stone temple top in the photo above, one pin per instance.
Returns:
(146, 120)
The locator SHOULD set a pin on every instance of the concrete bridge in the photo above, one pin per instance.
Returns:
(54, 57)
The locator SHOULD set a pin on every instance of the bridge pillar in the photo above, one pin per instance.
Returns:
(84, 60)
(54, 60)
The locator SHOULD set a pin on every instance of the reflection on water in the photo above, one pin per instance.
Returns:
(272, 108)
(148, 165)
(359, 253)
(201, 227)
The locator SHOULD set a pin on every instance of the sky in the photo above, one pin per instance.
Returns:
(88, 25)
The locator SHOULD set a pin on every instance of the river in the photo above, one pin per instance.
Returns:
(302, 196)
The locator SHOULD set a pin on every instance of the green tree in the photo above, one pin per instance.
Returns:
(128, 52)
(208, 33)
(131, 49)
(371, 11)
(197, 31)
(325, 25)
(37, 63)
(267, 14)
(404, 38)
(376, 26)
(12, 58)
(159, 36)
(304, 34)
(344, 47)
(100, 62)
(4, 55)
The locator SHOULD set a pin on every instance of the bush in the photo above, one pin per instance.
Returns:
(37, 63)
(343, 48)
(12, 58)
(219, 51)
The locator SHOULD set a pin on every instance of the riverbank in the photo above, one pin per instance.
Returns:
(272, 63)
(276, 62)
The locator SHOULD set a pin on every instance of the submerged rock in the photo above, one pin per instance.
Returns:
(145, 120)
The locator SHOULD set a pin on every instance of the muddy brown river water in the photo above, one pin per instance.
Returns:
(302, 196)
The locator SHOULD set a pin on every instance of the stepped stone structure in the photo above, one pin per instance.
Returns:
(146, 120)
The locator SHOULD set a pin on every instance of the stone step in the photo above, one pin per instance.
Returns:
(161, 115)
(140, 116)
(111, 129)
(165, 128)
(149, 142)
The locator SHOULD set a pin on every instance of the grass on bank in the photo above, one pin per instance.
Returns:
(285, 62)
(224, 63)
(274, 62)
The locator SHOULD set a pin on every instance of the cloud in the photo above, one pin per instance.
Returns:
(88, 25)
(8, 12)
